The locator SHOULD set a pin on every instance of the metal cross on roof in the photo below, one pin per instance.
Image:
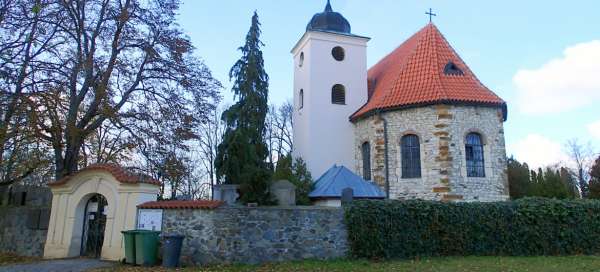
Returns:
(430, 13)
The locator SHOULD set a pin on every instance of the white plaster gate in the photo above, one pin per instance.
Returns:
(122, 190)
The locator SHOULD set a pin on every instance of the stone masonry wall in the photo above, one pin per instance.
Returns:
(24, 216)
(17, 235)
(257, 235)
(441, 130)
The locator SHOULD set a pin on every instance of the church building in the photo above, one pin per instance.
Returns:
(418, 123)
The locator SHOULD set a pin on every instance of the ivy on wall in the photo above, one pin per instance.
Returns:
(526, 227)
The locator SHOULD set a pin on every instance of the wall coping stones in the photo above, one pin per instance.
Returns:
(181, 204)
(281, 208)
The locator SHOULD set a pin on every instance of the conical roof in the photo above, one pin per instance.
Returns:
(338, 178)
(424, 70)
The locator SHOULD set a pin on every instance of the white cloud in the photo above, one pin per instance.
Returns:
(594, 129)
(538, 151)
(561, 84)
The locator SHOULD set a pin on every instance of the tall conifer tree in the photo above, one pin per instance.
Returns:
(241, 157)
(595, 180)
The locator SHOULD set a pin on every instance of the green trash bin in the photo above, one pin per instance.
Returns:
(146, 247)
(129, 240)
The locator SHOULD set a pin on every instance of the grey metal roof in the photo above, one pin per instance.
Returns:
(337, 178)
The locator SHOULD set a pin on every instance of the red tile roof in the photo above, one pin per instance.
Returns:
(121, 174)
(413, 74)
(181, 204)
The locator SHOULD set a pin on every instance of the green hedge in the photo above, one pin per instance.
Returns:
(526, 227)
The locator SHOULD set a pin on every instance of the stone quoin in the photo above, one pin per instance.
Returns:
(418, 123)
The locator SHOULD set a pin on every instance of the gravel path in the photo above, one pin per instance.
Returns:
(67, 265)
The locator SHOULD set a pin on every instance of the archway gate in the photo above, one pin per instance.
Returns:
(122, 190)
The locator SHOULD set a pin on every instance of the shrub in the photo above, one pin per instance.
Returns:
(526, 227)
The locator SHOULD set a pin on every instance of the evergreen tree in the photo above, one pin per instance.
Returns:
(297, 173)
(570, 182)
(241, 157)
(553, 185)
(518, 179)
(284, 168)
(594, 185)
(303, 181)
(550, 184)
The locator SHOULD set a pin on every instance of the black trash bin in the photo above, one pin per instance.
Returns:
(172, 249)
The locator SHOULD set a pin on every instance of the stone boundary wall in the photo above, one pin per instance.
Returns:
(258, 235)
(23, 230)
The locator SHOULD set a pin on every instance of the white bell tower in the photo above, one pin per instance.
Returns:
(330, 84)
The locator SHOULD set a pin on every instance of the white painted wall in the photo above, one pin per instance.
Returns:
(67, 213)
(328, 202)
(323, 134)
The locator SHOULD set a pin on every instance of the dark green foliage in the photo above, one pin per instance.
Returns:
(526, 227)
(518, 178)
(298, 174)
(570, 182)
(284, 168)
(241, 157)
(303, 181)
(594, 186)
(549, 183)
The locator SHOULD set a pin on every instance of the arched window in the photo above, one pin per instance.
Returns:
(411, 156)
(301, 99)
(474, 154)
(366, 160)
(338, 94)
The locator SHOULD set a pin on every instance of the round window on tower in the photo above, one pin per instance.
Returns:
(338, 53)
(301, 61)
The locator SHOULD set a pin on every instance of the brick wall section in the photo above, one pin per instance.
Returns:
(442, 130)
(15, 234)
(257, 235)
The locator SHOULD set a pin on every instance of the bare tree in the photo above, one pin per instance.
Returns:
(284, 128)
(123, 60)
(279, 131)
(581, 156)
(270, 134)
(210, 136)
(24, 37)
(108, 144)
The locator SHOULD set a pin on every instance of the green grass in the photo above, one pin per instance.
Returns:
(9, 258)
(450, 264)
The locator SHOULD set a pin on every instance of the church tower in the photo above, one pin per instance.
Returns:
(330, 84)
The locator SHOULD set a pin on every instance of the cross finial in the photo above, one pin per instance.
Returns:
(431, 14)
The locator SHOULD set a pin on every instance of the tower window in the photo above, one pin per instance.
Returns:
(301, 60)
(411, 156)
(474, 156)
(338, 94)
(301, 99)
(338, 53)
(366, 160)
(452, 69)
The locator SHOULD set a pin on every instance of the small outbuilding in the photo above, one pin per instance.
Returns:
(329, 187)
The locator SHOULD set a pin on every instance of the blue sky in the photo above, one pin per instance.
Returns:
(542, 57)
